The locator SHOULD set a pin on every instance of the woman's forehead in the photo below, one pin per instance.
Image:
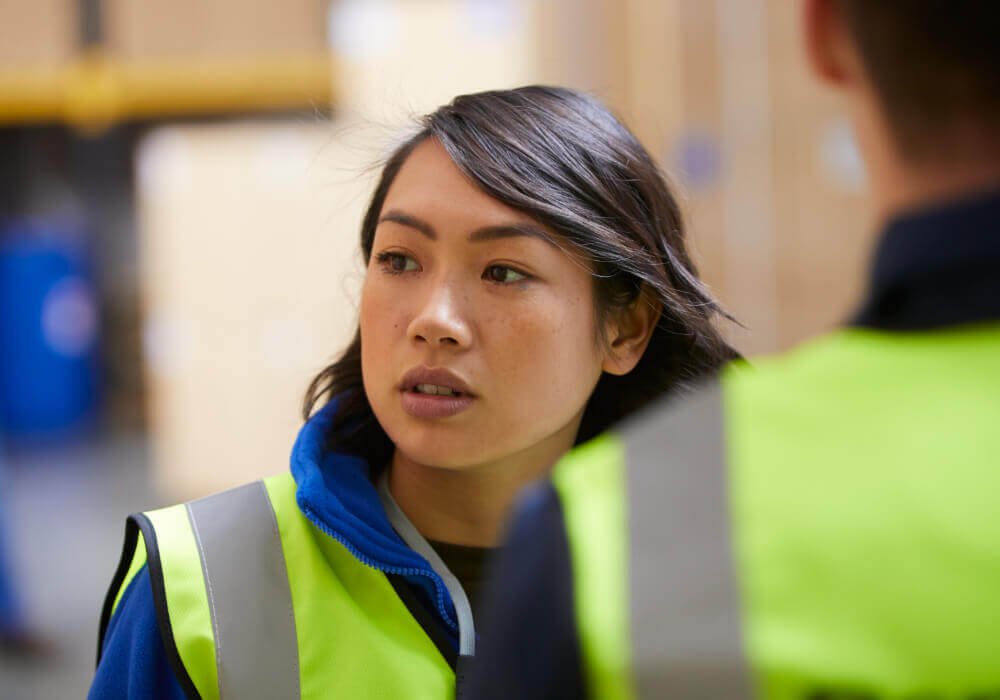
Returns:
(431, 192)
(429, 180)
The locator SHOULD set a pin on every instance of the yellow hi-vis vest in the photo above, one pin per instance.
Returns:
(825, 526)
(259, 603)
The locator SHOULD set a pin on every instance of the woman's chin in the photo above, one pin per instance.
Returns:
(443, 444)
(439, 453)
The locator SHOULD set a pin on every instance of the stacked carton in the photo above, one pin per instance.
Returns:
(250, 265)
(142, 31)
(38, 35)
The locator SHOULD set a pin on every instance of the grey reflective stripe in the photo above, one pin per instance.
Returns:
(256, 650)
(685, 607)
(409, 533)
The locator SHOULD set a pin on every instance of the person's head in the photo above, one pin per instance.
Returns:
(923, 78)
(525, 242)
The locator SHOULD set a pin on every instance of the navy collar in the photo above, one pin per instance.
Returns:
(937, 267)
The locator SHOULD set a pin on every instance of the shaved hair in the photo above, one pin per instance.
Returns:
(935, 65)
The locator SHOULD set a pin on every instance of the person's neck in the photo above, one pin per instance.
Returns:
(466, 506)
(901, 185)
(901, 188)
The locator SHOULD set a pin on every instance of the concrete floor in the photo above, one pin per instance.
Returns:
(64, 511)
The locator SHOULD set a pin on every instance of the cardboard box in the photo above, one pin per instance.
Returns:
(776, 207)
(250, 263)
(39, 34)
(164, 30)
(399, 58)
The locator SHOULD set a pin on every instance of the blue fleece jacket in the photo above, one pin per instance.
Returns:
(337, 495)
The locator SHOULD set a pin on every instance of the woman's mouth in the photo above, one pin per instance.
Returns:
(420, 402)
(431, 393)
(435, 390)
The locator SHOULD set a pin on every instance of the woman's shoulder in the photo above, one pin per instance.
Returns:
(166, 545)
(175, 541)
(132, 661)
(277, 486)
(174, 530)
(160, 581)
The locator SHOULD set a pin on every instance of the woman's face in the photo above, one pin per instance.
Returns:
(479, 342)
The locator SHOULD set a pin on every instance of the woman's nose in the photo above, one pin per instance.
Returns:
(439, 320)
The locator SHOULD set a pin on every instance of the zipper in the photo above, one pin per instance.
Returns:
(419, 544)
(371, 563)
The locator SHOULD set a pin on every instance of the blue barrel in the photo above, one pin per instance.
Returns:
(49, 328)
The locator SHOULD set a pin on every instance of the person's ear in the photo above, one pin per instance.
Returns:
(629, 333)
(829, 49)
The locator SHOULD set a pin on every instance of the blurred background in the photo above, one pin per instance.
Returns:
(181, 185)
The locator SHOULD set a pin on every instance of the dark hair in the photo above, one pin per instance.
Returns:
(935, 65)
(560, 157)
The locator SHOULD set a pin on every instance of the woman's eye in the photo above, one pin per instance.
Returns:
(503, 274)
(397, 262)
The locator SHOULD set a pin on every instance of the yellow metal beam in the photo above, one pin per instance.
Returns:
(96, 91)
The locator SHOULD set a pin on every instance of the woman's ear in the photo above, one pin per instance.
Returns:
(629, 332)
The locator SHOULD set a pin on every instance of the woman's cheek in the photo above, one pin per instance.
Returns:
(571, 351)
(538, 345)
(377, 318)
(377, 309)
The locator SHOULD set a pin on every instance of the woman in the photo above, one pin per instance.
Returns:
(527, 286)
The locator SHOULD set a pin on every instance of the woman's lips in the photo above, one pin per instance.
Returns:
(439, 377)
(429, 406)
(434, 392)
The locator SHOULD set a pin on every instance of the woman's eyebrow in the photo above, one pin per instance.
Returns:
(492, 233)
(405, 219)
(484, 233)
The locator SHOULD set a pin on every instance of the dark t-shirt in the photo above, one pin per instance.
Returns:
(467, 563)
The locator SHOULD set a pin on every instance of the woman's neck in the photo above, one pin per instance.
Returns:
(468, 506)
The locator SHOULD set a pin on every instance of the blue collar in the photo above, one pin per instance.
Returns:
(336, 494)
